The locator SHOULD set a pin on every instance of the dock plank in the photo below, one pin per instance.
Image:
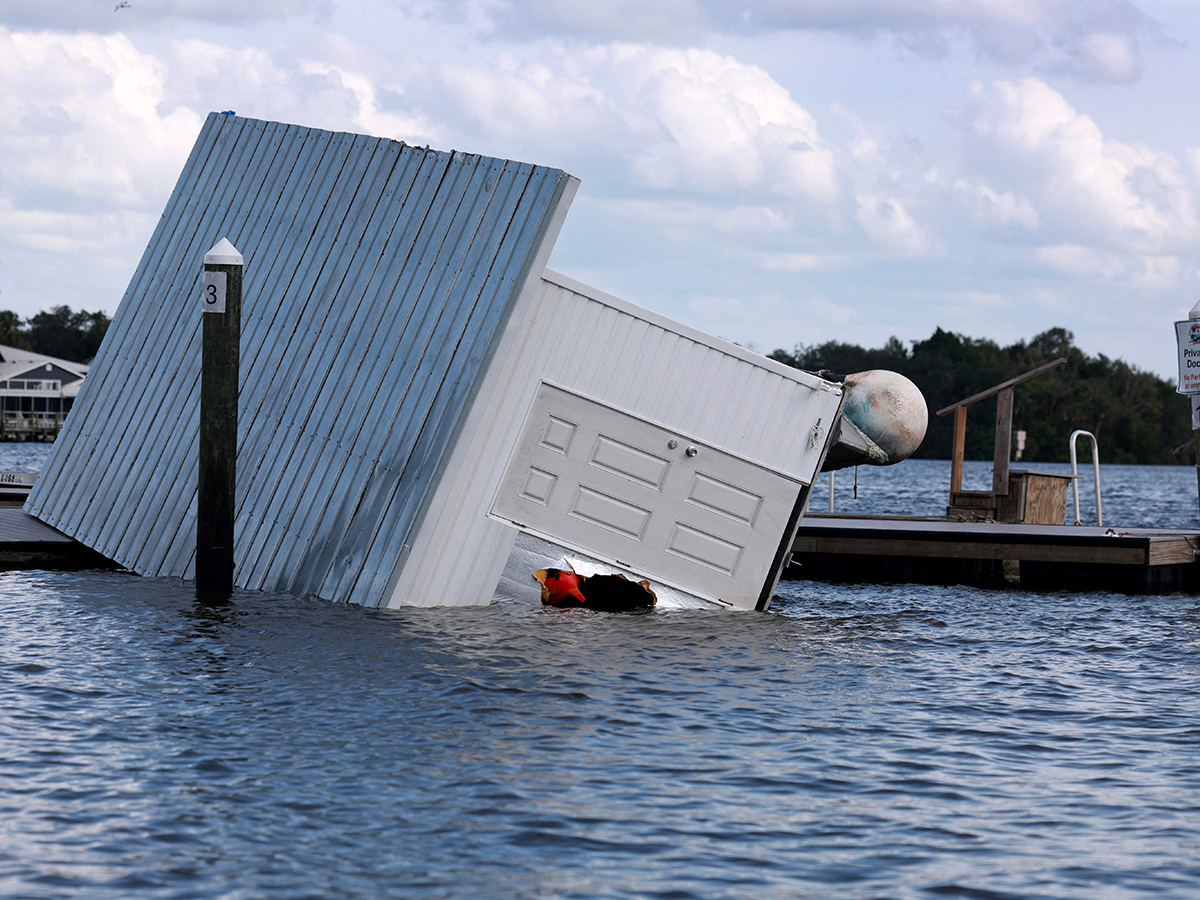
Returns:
(27, 543)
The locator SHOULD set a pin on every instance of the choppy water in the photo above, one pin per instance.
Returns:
(854, 742)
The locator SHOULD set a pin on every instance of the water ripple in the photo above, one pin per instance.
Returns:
(857, 742)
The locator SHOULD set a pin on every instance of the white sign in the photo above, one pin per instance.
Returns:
(213, 287)
(1187, 336)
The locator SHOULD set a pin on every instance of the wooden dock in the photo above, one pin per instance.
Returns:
(26, 543)
(944, 551)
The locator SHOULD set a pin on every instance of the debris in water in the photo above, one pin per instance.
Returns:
(605, 593)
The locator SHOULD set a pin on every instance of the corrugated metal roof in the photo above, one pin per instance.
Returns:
(378, 278)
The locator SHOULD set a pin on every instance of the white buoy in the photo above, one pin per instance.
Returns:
(889, 409)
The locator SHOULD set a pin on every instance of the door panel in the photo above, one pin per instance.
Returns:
(601, 481)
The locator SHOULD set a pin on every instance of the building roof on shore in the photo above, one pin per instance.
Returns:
(15, 362)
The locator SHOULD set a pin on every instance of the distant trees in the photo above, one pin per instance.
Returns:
(56, 332)
(1136, 416)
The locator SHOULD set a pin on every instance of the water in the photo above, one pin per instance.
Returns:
(1131, 496)
(854, 742)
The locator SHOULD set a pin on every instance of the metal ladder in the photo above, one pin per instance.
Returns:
(1095, 474)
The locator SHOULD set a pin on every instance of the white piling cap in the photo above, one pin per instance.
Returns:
(223, 254)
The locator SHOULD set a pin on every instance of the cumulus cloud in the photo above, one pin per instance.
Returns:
(1125, 195)
(366, 113)
(888, 222)
(678, 119)
(1002, 209)
(86, 129)
(1093, 39)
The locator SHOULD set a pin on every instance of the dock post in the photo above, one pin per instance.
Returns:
(958, 452)
(221, 306)
(1000, 457)
(1187, 385)
(1196, 434)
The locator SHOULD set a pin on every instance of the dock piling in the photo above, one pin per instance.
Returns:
(222, 313)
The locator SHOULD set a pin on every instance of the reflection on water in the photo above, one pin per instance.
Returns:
(855, 742)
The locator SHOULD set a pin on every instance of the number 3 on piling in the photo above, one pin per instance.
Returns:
(213, 286)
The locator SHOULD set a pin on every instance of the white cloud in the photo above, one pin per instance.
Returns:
(1107, 56)
(797, 262)
(1082, 262)
(86, 125)
(999, 208)
(1080, 182)
(1093, 39)
(367, 115)
(533, 101)
(888, 222)
(678, 119)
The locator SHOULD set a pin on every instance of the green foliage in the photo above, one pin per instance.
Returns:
(56, 332)
(1136, 416)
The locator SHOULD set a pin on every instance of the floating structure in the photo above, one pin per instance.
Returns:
(26, 543)
(36, 393)
(1012, 534)
(426, 413)
(943, 551)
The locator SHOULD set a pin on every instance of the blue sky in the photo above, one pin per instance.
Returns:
(776, 173)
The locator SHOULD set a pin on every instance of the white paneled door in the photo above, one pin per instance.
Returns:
(598, 480)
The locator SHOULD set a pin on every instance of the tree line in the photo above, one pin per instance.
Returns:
(1137, 416)
(58, 332)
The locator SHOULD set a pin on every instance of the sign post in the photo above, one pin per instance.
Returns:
(1187, 339)
(221, 306)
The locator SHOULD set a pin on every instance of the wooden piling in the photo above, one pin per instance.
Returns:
(1003, 444)
(222, 314)
(959, 450)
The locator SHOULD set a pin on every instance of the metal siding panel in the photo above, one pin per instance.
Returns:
(344, 174)
(155, 515)
(344, 220)
(269, 570)
(124, 331)
(163, 319)
(654, 361)
(363, 257)
(367, 391)
(658, 402)
(451, 296)
(50, 489)
(364, 337)
(319, 382)
(296, 399)
(511, 249)
(519, 243)
(769, 436)
(390, 451)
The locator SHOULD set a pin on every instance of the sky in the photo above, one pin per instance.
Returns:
(776, 173)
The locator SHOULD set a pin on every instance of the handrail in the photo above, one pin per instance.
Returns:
(1095, 474)
(995, 389)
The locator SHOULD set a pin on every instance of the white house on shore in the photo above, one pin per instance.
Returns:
(36, 393)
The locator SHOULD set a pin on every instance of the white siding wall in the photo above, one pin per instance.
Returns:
(627, 357)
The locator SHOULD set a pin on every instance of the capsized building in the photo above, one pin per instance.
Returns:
(426, 413)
